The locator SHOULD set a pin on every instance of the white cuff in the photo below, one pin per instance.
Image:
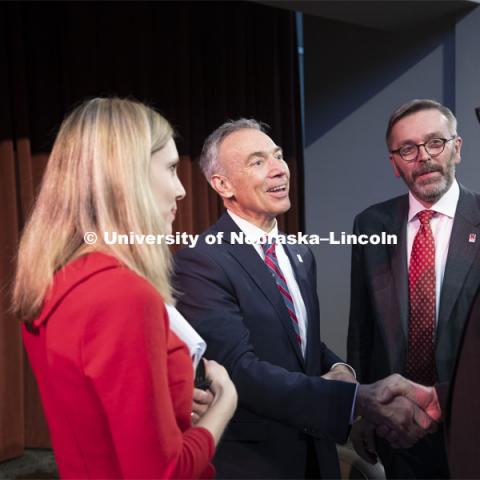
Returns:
(345, 365)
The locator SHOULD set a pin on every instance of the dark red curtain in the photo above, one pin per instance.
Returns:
(199, 63)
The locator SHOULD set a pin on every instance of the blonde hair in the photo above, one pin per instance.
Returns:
(97, 180)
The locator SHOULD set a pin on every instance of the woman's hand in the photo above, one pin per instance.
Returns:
(219, 379)
(202, 399)
(219, 412)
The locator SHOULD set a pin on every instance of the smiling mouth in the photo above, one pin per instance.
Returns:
(280, 188)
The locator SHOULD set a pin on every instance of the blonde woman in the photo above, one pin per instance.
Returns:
(116, 382)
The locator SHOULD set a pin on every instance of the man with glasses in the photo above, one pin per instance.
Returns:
(409, 301)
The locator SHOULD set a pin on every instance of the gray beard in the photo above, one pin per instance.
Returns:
(435, 194)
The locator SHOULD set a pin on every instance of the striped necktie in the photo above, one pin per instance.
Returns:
(272, 263)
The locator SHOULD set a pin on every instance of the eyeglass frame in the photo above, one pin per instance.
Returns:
(424, 145)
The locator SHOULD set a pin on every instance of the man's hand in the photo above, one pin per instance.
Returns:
(425, 397)
(340, 372)
(202, 399)
(397, 418)
(362, 437)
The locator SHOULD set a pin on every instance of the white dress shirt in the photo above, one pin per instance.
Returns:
(441, 225)
(256, 236)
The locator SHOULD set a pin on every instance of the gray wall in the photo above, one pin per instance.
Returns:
(354, 78)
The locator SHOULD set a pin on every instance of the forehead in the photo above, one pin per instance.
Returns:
(420, 124)
(242, 143)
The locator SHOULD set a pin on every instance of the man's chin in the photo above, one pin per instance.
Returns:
(431, 191)
(284, 207)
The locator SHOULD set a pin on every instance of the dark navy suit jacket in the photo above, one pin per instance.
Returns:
(229, 296)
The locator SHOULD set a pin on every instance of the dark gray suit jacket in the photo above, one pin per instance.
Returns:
(462, 416)
(377, 335)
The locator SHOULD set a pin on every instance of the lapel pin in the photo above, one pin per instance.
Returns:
(300, 259)
(472, 238)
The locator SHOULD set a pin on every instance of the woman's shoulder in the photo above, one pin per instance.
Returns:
(99, 278)
(96, 281)
(104, 276)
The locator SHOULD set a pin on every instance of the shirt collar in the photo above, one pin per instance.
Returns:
(446, 205)
(256, 234)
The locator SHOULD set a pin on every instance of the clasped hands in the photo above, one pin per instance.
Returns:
(394, 408)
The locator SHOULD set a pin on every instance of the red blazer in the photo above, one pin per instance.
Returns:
(116, 383)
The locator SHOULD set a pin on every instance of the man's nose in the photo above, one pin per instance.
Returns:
(423, 154)
(277, 167)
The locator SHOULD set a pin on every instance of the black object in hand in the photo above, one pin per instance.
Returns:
(200, 379)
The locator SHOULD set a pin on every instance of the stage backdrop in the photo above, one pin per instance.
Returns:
(199, 63)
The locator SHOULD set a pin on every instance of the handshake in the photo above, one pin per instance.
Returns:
(396, 409)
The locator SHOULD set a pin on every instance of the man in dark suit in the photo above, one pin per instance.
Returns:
(462, 415)
(255, 304)
(409, 301)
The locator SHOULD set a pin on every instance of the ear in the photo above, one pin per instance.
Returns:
(222, 186)
(458, 149)
(396, 172)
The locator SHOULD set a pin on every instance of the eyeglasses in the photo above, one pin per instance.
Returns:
(434, 147)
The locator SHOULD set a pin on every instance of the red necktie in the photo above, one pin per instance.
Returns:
(421, 284)
(272, 263)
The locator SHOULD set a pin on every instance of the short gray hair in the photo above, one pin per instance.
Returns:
(209, 157)
(417, 105)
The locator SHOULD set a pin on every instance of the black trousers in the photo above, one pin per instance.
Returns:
(312, 469)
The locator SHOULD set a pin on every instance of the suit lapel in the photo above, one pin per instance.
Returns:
(461, 253)
(396, 314)
(399, 268)
(251, 262)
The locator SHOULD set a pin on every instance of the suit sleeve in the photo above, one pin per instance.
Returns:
(209, 302)
(125, 356)
(360, 328)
